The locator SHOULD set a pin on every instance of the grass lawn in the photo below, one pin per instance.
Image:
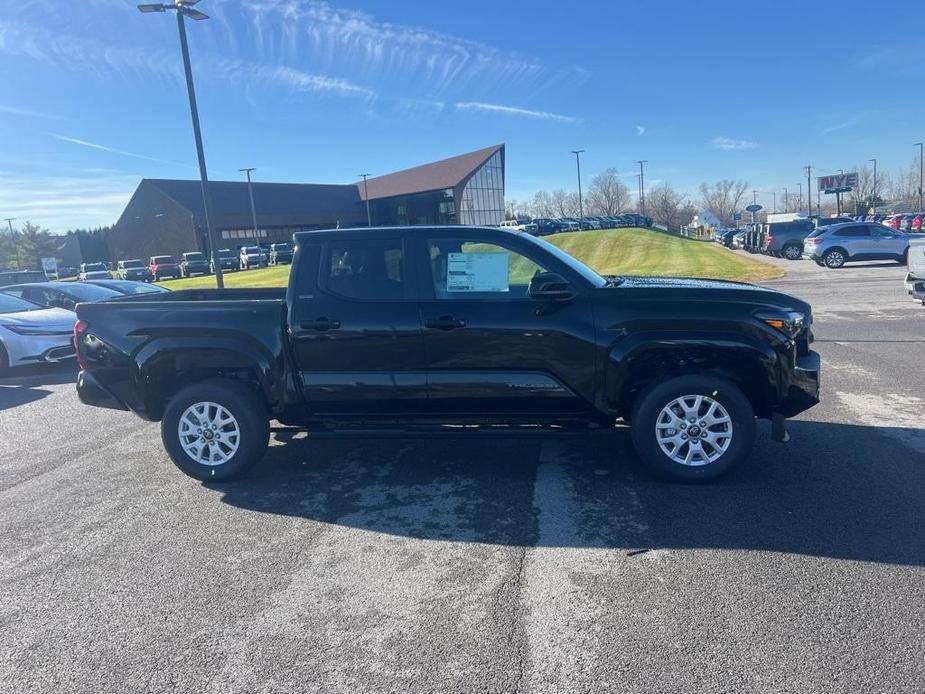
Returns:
(609, 251)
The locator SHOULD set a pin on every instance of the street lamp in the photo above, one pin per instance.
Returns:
(873, 196)
(250, 193)
(642, 185)
(919, 145)
(581, 209)
(809, 188)
(369, 218)
(184, 8)
(9, 221)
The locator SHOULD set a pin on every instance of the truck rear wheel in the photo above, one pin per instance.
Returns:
(793, 252)
(215, 430)
(693, 428)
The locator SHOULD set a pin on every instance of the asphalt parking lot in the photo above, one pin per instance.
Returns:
(500, 565)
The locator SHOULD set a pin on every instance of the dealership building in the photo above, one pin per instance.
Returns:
(165, 216)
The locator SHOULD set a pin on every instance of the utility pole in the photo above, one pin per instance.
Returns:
(369, 218)
(754, 202)
(921, 205)
(873, 195)
(800, 198)
(809, 189)
(9, 221)
(642, 184)
(774, 193)
(838, 198)
(581, 209)
(250, 192)
(786, 201)
(184, 8)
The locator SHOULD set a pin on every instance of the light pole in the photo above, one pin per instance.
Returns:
(786, 201)
(642, 185)
(9, 221)
(184, 8)
(369, 218)
(873, 195)
(800, 198)
(921, 205)
(809, 188)
(774, 193)
(581, 209)
(754, 202)
(250, 193)
(838, 198)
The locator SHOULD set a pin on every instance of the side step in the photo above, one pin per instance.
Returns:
(433, 431)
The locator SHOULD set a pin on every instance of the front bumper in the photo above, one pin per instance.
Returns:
(803, 391)
(91, 392)
(36, 349)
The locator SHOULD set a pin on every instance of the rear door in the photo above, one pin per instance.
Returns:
(356, 327)
(491, 348)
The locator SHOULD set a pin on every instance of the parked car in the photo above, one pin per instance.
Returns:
(726, 236)
(193, 263)
(916, 225)
(915, 265)
(133, 269)
(67, 271)
(161, 266)
(227, 258)
(738, 239)
(569, 224)
(905, 222)
(467, 351)
(93, 271)
(64, 295)
(129, 287)
(280, 253)
(893, 221)
(251, 257)
(785, 239)
(546, 226)
(30, 333)
(833, 246)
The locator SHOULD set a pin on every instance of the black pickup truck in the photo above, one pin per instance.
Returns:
(441, 326)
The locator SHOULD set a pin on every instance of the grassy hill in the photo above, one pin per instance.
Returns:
(609, 251)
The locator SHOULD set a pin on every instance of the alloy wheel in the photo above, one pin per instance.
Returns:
(693, 430)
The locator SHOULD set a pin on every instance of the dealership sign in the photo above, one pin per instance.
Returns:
(838, 183)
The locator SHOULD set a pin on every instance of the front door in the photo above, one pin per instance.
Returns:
(356, 327)
(491, 348)
(887, 244)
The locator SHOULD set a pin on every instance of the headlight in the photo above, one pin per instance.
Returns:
(790, 322)
(26, 330)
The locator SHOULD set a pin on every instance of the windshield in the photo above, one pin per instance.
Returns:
(13, 304)
(88, 292)
(281, 247)
(194, 256)
(225, 253)
(163, 259)
(132, 263)
(569, 260)
(94, 267)
(252, 250)
(141, 288)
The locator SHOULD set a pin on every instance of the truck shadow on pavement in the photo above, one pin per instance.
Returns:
(837, 490)
(25, 384)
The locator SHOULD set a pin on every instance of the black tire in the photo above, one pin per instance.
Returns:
(250, 413)
(904, 258)
(649, 408)
(834, 258)
(4, 361)
(792, 251)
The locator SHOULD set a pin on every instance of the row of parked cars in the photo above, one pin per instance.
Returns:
(37, 317)
(829, 242)
(544, 226)
(161, 267)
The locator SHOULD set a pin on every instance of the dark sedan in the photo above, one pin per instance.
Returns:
(61, 294)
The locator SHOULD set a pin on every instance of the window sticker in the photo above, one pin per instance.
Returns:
(477, 272)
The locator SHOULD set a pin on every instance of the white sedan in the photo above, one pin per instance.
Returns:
(30, 333)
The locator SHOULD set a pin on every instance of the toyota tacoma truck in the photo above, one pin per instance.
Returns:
(440, 327)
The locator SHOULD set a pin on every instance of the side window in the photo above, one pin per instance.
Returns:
(463, 269)
(366, 269)
(882, 232)
(853, 232)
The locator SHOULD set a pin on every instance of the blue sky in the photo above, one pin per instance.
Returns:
(93, 97)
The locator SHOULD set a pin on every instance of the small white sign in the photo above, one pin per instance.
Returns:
(50, 266)
(477, 272)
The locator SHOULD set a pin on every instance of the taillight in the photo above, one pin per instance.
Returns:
(770, 239)
(815, 242)
(80, 327)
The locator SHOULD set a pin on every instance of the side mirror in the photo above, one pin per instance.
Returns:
(550, 286)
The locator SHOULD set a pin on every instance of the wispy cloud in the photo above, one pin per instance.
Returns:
(640, 130)
(113, 150)
(846, 122)
(728, 144)
(513, 111)
(16, 111)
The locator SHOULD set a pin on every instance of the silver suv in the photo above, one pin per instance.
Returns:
(835, 245)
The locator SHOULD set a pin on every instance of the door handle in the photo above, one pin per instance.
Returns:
(321, 324)
(445, 323)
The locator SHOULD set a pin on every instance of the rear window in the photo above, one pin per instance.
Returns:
(132, 263)
(251, 250)
(94, 267)
(281, 246)
(852, 232)
(194, 256)
(163, 259)
(89, 292)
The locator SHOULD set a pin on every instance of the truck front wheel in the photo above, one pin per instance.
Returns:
(693, 427)
(215, 430)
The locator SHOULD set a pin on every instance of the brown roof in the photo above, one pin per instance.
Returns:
(446, 173)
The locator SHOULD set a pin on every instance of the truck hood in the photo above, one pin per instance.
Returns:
(711, 290)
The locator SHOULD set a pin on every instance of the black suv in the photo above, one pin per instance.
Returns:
(193, 263)
(280, 253)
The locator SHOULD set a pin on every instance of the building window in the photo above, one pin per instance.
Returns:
(482, 201)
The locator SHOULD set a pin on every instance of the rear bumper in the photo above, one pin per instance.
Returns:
(92, 392)
(803, 392)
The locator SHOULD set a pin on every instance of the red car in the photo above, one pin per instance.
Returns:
(893, 221)
(916, 223)
(161, 266)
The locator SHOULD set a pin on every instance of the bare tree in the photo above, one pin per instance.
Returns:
(723, 197)
(665, 205)
(904, 186)
(607, 194)
(564, 203)
(542, 204)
